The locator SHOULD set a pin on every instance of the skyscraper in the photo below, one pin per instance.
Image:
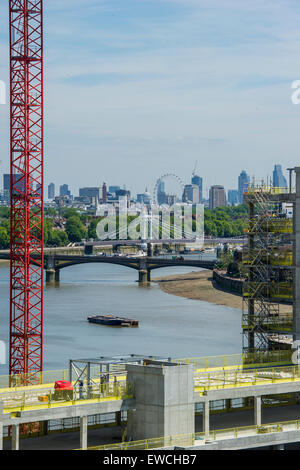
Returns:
(217, 197)
(279, 180)
(104, 193)
(64, 190)
(197, 180)
(233, 197)
(51, 191)
(244, 180)
(191, 193)
(161, 194)
(91, 192)
(18, 182)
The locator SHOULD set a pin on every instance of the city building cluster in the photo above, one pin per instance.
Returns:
(90, 198)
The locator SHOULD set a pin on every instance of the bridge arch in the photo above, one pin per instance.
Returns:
(144, 266)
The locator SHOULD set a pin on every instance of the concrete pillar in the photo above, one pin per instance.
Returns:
(143, 277)
(83, 432)
(278, 447)
(257, 411)
(296, 261)
(149, 249)
(149, 275)
(57, 276)
(118, 418)
(45, 426)
(15, 437)
(228, 404)
(1, 426)
(164, 397)
(205, 418)
(50, 276)
(1, 435)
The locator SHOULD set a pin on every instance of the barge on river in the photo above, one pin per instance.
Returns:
(111, 320)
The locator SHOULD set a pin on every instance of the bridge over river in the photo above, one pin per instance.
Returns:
(54, 263)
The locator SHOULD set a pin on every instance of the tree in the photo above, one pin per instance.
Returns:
(4, 239)
(75, 229)
(58, 238)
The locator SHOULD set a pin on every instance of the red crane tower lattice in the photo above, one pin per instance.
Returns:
(27, 188)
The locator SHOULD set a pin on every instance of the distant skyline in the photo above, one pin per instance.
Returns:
(241, 180)
(139, 88)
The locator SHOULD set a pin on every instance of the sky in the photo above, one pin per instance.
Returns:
(138, 88)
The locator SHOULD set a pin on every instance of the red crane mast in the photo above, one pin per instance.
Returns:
(27, 188)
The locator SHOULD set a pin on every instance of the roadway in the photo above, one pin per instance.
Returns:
(113, 434)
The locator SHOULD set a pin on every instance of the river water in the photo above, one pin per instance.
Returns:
(168, 325)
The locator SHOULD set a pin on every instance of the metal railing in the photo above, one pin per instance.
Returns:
(201, 438)
(268, 289)
(251, 359)
(263, 188)
(270, 323)
(47, 398)
(222, 379)
(40, 378)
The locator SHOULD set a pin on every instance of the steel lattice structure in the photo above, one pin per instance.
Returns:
(268, 263)
(27, 213)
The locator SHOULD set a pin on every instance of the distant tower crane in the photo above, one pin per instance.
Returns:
(27, 188)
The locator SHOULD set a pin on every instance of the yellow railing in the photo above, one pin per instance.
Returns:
(251, 359)
(270, 323)
(186, 440)
(16, 401)
(270, 224)
(223, 379)
(49, 377)
(252, 189)
(271, 290)
(210, 373)
(200, 438)
(40, 378)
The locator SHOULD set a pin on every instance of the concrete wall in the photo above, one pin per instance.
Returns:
(164, 396)
(228, 283)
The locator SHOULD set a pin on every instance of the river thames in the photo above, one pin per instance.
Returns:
(168, 325)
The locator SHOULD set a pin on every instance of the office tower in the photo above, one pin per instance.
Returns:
(51, 191)
(191, 193)
(161, 194)
(279, 180)
(104, 193)
(18, 182)
(90, 192)
(217, 196)
(197, 180)
(38, 189)
(243, 182)
(113, 189)
(233, 197)
(64, 190)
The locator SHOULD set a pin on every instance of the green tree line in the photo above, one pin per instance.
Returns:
(220, 222)
(226, 221)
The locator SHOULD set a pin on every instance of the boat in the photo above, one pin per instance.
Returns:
(111, 320)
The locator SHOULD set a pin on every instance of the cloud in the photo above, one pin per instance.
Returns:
(157, 84)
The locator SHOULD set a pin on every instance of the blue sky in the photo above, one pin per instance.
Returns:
(138, 88)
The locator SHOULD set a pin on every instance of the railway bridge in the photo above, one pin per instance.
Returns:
(54, 263)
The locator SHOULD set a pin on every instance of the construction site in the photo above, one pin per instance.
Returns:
(137, 402)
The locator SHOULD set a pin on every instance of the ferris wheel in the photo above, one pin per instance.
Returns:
(164, 177)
